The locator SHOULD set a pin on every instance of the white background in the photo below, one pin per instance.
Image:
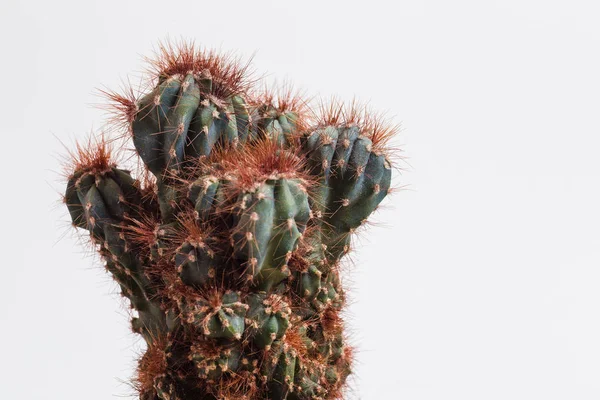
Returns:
(484, 282)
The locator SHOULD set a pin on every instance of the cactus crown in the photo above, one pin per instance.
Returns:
(228, 242)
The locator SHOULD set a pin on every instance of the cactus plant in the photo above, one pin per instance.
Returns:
(228, 240)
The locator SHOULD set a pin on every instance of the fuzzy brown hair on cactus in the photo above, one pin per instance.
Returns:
(228, 240)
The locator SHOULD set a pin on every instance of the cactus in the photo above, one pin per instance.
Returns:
(228, 240)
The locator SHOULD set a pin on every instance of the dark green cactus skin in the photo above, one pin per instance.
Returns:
(353, 181)
(268, 318)
(268, 228)
(235, 284)
(224, 320)
(188, 123)
(102, 203)
(276, 125)
(197, 264)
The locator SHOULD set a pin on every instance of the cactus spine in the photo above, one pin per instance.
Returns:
(228, 241)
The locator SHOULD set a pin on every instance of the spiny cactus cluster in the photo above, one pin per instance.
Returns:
(227, 241)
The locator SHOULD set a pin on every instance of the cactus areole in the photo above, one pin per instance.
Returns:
(228, 238)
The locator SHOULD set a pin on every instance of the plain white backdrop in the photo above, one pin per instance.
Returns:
(483, 281)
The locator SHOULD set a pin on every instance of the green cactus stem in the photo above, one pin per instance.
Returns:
(229, 239)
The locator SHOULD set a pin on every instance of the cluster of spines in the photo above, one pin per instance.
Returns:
(230, 255)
